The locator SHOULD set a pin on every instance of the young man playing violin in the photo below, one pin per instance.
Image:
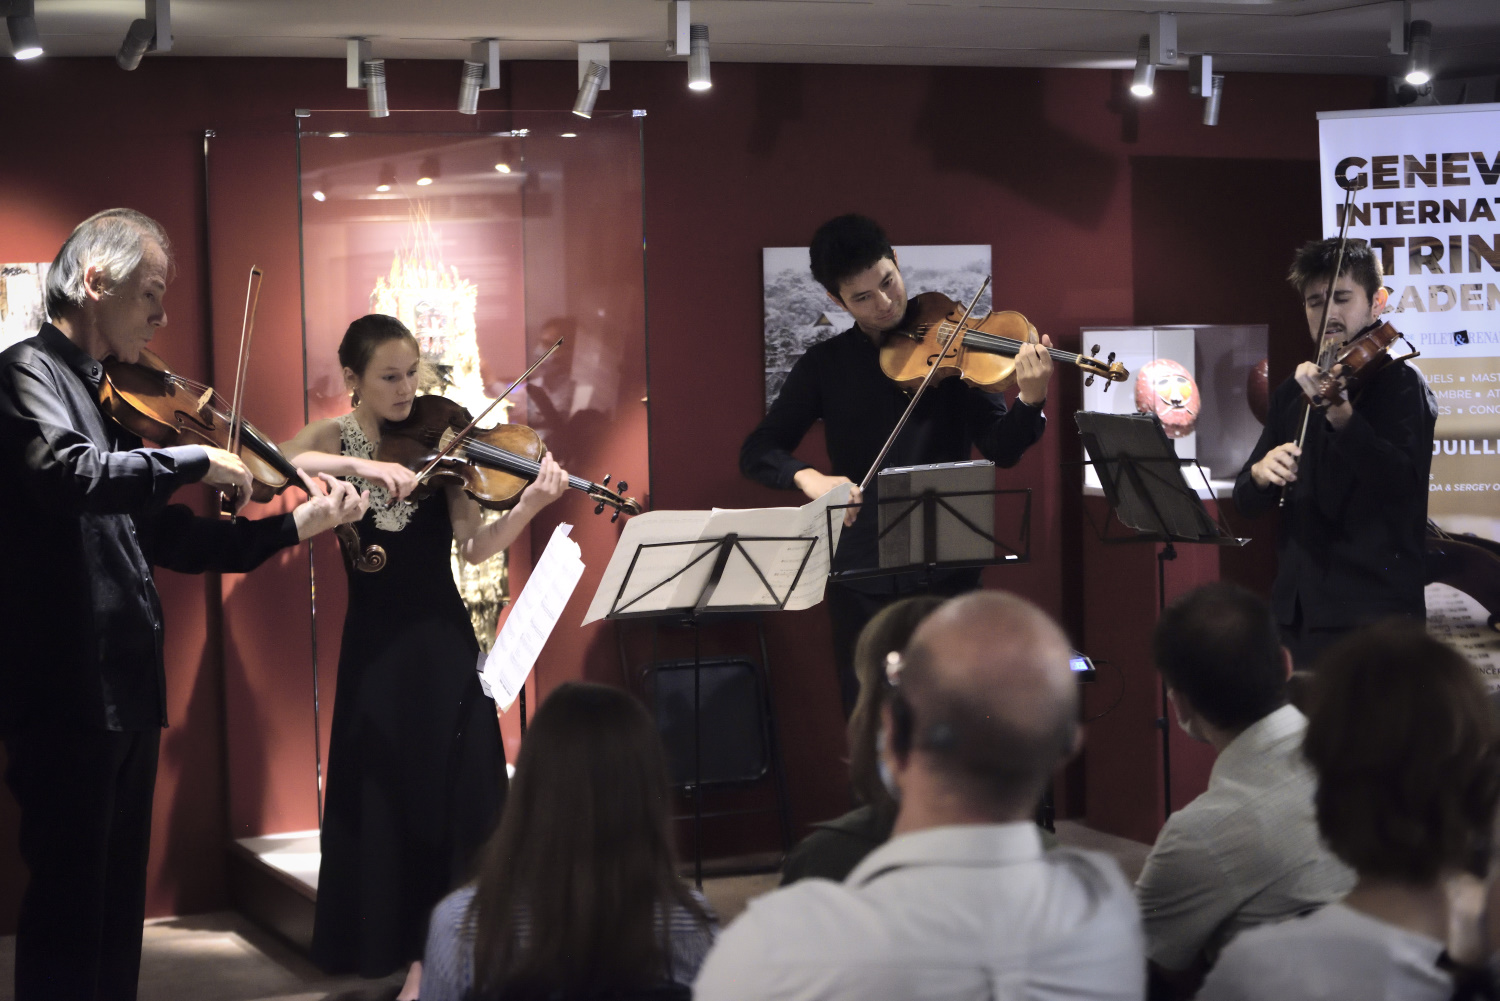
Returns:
(1353, 525)
(84, 516)
(840, 382)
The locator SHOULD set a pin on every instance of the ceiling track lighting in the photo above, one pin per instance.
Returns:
(1419, 54)
(481, 72)
(387, 178)
(152, 33)
(1211, 103)
(698, 71)
(593, 76)
(362, 72)
(430, 171)
(20, 23)
(593, 79)
(1143, 83)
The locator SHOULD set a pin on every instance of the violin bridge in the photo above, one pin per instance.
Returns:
(203, 401)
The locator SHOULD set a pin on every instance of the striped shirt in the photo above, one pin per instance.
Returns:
(448, 964)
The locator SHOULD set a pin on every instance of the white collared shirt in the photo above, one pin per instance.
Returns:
(964, 912)
(1246, 852)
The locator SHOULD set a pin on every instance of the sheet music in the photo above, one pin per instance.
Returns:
(1460, 621)
(739, 584)
(532, 618)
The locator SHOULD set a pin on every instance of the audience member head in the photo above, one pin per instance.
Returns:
(845, 246)
(1404, 743)
(889, 631)
(583, 860)
(985, 709)
(1219, 651)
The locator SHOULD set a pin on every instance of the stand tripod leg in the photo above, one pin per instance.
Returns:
(697, 759)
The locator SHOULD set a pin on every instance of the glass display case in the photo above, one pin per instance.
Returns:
(1202, 380)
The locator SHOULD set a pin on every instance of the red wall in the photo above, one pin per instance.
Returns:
(1035, 163)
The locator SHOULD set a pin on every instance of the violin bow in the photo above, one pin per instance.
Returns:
(242, 366)
(1323, 352)
(953, 334)
(459, 438)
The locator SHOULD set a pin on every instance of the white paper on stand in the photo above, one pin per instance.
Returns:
(532, 618)
(778, 561)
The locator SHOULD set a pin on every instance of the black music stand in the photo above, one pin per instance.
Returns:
(1141, 476)
(928, 519)
(692, 615)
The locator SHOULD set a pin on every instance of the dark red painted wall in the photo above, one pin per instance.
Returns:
(1035, 163)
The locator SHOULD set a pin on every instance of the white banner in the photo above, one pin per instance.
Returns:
(1429, 206)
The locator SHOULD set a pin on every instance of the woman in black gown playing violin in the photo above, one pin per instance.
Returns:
(416, 768)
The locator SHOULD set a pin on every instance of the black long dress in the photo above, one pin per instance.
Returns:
(416, 768)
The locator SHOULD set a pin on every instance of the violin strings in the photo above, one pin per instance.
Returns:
(973, 337)
(513, 463)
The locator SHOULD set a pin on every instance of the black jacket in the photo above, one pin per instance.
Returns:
(1352, 532)
(840, 382)
(83, 516)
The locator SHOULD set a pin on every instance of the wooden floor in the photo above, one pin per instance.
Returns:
(224, 957)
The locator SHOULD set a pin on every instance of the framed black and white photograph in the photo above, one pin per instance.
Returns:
(22, 303)
(799, 312)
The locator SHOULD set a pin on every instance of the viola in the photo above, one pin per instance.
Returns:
(982, 354)
(152, 402)
(493, 466)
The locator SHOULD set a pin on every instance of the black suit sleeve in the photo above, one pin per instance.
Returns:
(766, 456)
(1251, 499)
(1002, 434)
(1386, 446)
(177, 539)
(62, 467)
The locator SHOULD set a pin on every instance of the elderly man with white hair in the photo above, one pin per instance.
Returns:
(83, 518)
(961, 903)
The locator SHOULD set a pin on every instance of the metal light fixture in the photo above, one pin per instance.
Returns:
(375, 88)
(152, 33)
(20, 21)
(1419, 57)
(698, 75)
(588, 93)
(481, 72)
(387, 179)
(1143, 84)
(1211, 103)
(362, 72)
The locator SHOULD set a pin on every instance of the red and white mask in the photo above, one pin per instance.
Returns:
(1166, 389)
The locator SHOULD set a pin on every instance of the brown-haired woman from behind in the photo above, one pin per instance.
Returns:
(1407, 752)
(577, 894)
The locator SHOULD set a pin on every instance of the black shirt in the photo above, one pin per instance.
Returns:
(839, 380)
(83, 515)
(1353, 528)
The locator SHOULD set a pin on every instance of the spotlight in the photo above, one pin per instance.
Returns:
(503, 168)
(570, 135)
(387, 178)
(362, 72)
(481, 72)
(431, 170)
(318, 196)
(20, 20)
(338, 135)
(375, 88)
(698, 77)
(1143, 84)
(1211, 104)
(589, 92)
(1419, 61)
(152, 33)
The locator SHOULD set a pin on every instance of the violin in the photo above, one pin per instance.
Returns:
(493, 466)
(152, 402)
(1358, 360)
(982, 354)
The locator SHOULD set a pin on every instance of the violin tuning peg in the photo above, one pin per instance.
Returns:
(1089, 381)
(616, 517)
(604, 482)
(1107, 385)
(1111, 358)
(622, 486)
(1094, 350)
(600, 508)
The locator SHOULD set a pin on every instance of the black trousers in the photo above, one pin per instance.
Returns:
(850, 610)
(85, 798)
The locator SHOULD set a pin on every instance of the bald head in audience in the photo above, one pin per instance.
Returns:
(985, 709)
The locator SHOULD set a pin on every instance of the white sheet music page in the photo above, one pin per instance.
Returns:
(664, 558)
(532, 617)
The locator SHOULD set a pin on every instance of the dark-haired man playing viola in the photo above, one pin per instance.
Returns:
(840, 382)
(1353, 527)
